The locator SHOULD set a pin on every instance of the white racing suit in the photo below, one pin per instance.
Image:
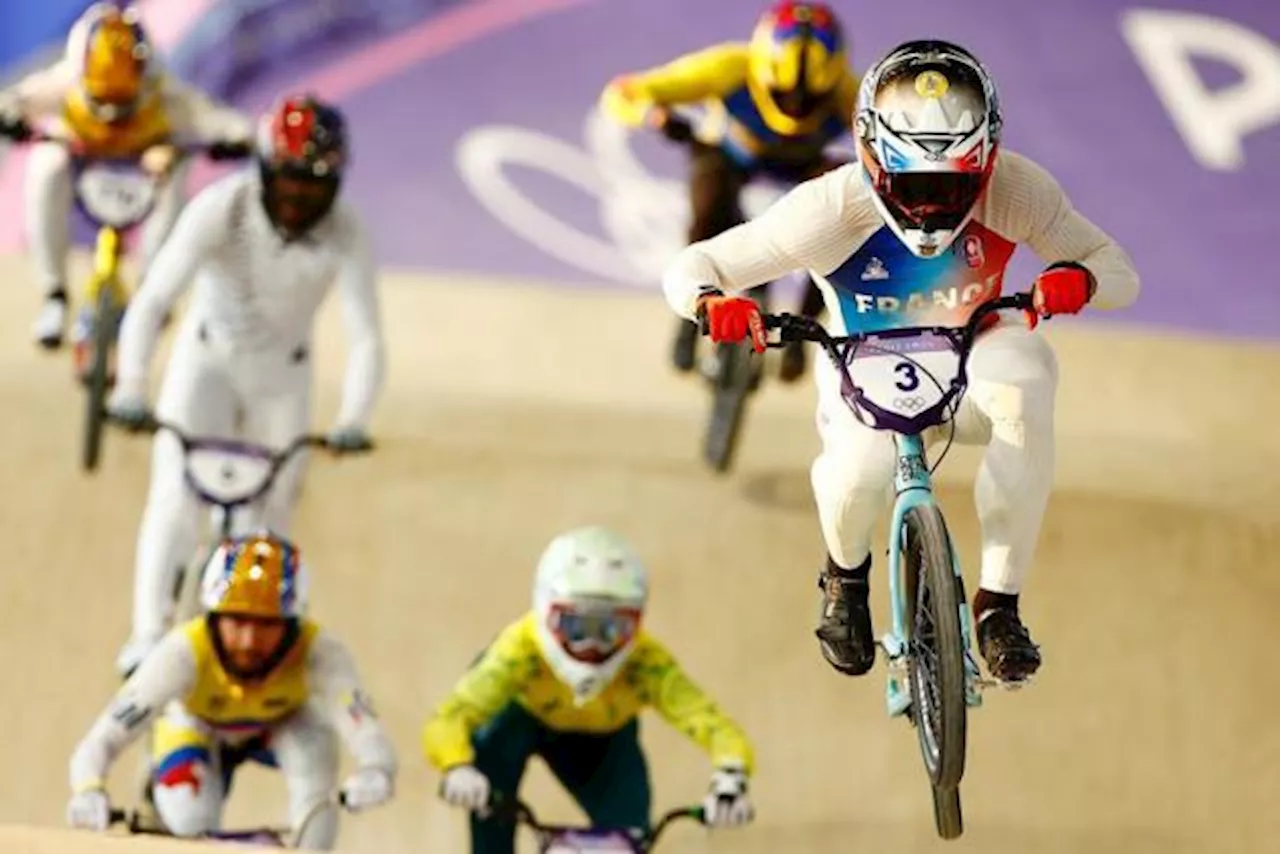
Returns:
(191, 117)
(871, 281)
(202, 721)
(241, 362)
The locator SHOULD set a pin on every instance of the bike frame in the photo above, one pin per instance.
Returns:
(913, 487)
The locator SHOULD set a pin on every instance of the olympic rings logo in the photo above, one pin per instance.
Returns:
(644, 217)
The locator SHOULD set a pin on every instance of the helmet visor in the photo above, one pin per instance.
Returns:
(592, 633)
(799, 102)
(930, 201)
(295, 203)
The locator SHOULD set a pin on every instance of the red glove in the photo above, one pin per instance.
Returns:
(732, 319)
(1063, 288)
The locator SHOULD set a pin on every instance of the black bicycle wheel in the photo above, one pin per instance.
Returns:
(947, 815)
(730, 388)
(935, 646)
(104, 324)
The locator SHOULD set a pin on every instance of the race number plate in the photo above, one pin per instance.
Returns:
(115, 195)
(908, 377)
(581, 842)
(225, 475)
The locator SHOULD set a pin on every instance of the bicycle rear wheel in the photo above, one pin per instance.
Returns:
(731, 387)
(104, 327)
(935, 646)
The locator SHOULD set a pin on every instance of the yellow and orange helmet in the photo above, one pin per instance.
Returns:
(260, 576)
(113, 58)
(796, 58)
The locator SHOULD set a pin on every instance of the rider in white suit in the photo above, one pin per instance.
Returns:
(919, 233)
(264, 247)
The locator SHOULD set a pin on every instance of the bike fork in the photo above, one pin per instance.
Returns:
(912, 488)
(107, 252)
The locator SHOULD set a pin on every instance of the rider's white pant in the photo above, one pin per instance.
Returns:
(188, 792)
(210, 390)
(49, 202)
(1009, 408)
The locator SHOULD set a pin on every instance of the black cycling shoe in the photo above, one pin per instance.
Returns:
(1006, 645)
(844, 628)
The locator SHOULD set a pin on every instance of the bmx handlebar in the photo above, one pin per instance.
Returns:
(843, 350)
(189, 441)
(134, 823)
(520, 812)
(226, 150)
(792, 327)
(275, 460)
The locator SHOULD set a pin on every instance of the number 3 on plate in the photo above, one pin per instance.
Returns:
(910, 379)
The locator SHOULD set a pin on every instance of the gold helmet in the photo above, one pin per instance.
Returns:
(260, 576)
(114, 59)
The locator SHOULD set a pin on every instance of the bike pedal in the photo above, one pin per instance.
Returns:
(892, 647)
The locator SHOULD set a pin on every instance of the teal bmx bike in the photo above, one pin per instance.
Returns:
(905, 381)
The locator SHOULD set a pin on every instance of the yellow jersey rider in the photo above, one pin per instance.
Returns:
(771, 107)
(251, 679)
(566, 682)
(108, 95)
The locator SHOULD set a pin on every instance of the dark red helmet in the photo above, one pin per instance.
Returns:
(302, 155)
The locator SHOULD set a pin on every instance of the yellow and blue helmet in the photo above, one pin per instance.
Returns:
(796, 58)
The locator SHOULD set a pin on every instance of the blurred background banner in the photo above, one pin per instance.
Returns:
(478, 149)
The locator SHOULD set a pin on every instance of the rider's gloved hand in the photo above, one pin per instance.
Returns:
(159, 160)
(348, 440)
(12, 123)
(128, 406)
(676, 128)
(89, 810)
(367, 788)
(671, 125)
(1063, 288)
(727, 318)
(466, 787)
(726, 804)
(236, 150)
(15, 129)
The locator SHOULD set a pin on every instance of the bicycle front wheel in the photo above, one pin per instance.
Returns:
(730, 389)
(935, 646)
(947, 816)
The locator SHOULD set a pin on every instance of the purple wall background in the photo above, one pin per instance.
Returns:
(598, 208)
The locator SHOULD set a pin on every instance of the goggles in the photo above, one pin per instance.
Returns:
(592, 634)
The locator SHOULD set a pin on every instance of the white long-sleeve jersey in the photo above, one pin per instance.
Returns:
(830, 227)
(255, 293)
(192, 116)
(171, 673)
